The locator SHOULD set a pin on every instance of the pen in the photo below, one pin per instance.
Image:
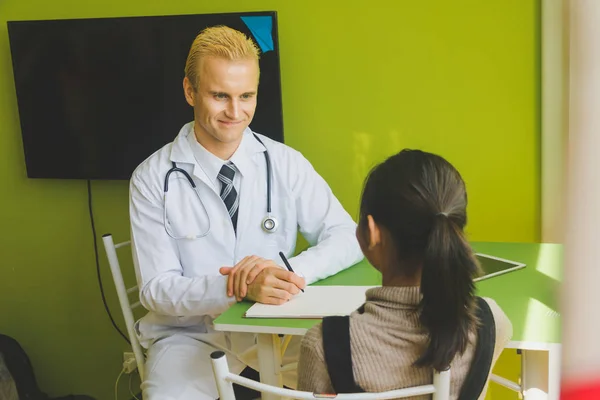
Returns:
(287, 265)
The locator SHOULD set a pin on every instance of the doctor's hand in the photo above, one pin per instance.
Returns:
(275, 285)
(243, 273)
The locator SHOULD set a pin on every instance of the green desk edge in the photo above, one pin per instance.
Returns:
(528, 296)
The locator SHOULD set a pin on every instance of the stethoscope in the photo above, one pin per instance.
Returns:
(269, 223)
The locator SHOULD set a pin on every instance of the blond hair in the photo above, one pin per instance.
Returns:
(218, 41)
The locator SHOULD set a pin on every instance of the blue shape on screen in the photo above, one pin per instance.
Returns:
(261, 28)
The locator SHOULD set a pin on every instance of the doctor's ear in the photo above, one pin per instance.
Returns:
(189, 91)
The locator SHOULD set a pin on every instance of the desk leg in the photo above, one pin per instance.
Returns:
(554, 358)
(540, 371)
(269, 362)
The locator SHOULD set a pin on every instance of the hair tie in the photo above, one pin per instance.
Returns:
(445, 214)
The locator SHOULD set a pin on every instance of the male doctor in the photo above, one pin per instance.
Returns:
(199, 250)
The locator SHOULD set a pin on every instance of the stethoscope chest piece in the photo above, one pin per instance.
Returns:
(269, 224)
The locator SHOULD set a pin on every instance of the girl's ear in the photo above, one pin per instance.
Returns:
(374, 233)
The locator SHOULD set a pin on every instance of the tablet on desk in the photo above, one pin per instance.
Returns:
(494, 266)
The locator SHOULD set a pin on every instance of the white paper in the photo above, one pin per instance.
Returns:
(315, 302)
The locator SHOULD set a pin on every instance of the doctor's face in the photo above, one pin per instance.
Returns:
(224, 101)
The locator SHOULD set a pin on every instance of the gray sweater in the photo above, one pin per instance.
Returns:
(386, 339)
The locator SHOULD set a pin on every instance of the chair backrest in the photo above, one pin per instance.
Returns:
(440, 389)
(123, 294)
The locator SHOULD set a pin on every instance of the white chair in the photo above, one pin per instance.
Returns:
(440, 389)
(123, 294)
(127, 307)
(515, 387)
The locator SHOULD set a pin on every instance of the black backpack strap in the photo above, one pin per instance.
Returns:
(484, 353)
(338, 354)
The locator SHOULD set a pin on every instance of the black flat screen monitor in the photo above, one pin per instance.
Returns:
(98, 96)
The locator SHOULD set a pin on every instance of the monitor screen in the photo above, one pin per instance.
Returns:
(98, 96)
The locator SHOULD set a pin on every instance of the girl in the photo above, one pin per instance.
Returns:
(411, 229)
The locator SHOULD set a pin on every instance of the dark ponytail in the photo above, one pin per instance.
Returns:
(420, 198)
(447, 307)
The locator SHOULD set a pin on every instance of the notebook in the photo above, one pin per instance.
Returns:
(315, 302)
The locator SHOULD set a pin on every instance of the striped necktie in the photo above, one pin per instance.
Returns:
(228, 192)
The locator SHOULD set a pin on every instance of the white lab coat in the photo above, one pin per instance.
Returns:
(179, 280)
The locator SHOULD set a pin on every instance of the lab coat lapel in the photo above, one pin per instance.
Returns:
(181, 153)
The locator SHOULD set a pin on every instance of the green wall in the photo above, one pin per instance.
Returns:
(359, 82)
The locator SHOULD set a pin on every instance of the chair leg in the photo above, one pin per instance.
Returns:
(441, 381)
(221, 371)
